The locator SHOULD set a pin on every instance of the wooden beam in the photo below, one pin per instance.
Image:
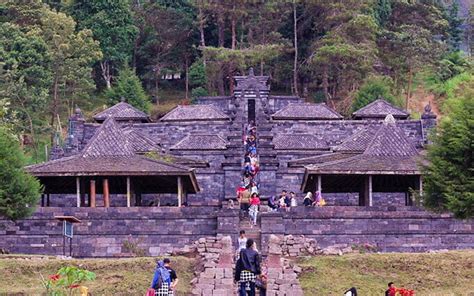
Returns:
(128, 192)
(92, 194)
(78, 191)
(105, 188)
(180, 191)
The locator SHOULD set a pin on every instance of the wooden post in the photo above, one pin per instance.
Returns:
(128, 192)
(92, 194)
(180, 191)
(319, 184)
(105, 188)
(78, 191)
(421, 185)
(370, 190)
(42, 200)
(47, 200)
(83, 193)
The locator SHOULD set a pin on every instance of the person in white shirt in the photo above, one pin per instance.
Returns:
(242, 241)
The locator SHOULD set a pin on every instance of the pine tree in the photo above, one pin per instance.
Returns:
(19, 191)
(129, 88)
(449, 178)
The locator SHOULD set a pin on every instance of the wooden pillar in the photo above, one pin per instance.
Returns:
(105, 188)
(83, 193)
(370, 190)
(47, 200)
(42, 200)
(420, 184)
(92, 194)
(180, 191)
(78, 191)
(128, 192)
(320, 185)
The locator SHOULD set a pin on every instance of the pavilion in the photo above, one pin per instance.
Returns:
(112, 158)
(377, 159)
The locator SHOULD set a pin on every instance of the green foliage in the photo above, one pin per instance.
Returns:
(454, 30)
(197, 74)
(453, 64)
(199, 92)
(19, 191)
(448, 178)
(375, 87)
(111, 23)
(67, 281)
(129, 87)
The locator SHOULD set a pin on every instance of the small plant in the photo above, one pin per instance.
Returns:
(131, 246)
(364, 248)
(67, 281)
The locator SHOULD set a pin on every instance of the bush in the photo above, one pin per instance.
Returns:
(129, 88)
(19, 191)
(198, 92)
(375, 87)
(67, 281)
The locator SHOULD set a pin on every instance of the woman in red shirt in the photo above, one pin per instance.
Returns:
(254, 204)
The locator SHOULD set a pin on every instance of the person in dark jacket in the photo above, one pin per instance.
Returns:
(246, 269)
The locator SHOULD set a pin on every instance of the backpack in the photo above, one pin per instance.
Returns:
(164, 277)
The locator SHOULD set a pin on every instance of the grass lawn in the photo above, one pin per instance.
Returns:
(128, 276)
(450, 273)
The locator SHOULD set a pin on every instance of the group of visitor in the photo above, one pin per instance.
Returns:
(286, 201)
(247, 192)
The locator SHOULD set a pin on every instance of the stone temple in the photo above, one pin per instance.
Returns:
(169, 182)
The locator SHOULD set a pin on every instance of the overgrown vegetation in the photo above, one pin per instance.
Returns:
(113, 276)
(440, 274)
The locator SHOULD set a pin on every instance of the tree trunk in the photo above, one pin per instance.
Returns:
(410, 81)
(187, 77)
(233, 24)
(54, 107)
(295, 35)
(201, 31)
(220, 29)
(326, 83)
(105, 67)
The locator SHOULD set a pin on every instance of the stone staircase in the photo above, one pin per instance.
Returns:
(252, 231)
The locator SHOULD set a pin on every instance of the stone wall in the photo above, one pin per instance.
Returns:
(405, 229)
(106, 232)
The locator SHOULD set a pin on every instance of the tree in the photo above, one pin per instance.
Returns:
(129, 88)
(25, 78)
(19, 191)
(113, 26)
(375, 87)
(449, 176)
(72, 56)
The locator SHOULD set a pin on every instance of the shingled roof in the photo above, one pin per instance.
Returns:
(378, 109)
(141, 143)
(307, 111)
(358, 142)
(388, 152)
(195, 113)
(299, 142)
(122, 112)
(110, 153)
(201, 142)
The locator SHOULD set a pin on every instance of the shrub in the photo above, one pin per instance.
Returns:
(375, 87)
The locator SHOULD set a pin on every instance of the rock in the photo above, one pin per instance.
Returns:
(297, 269)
